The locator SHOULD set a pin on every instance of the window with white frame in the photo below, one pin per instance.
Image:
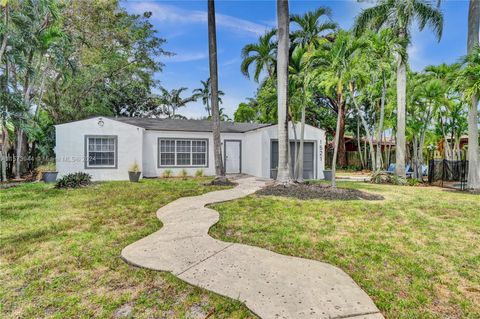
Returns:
(182, 152)
(101, 151)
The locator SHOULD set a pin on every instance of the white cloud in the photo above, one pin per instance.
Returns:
(187, 56)
(173, 14)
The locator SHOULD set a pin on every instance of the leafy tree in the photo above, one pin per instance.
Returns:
(332, 65)
(261, 56)
(246, 112)
(400, 15)
(171, 101)
(205, 94)
(310, 30)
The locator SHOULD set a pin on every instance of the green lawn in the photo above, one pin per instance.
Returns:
(416, 253)
(59, 253)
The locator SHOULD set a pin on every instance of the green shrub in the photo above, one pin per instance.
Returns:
(183, 173)
(199, 173)
(74, 180)
(385, 178)
(413, 182)
(167, 173)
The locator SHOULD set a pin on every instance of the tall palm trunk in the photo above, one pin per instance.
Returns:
(4, 151)
(473, 181)
(283, 175)
(300, 151)
(212, 50)
(342, 151)
(337, 140)
(359, 143)
(401, 104)
(380, 123)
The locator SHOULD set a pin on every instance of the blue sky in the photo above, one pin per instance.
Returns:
(184, 25)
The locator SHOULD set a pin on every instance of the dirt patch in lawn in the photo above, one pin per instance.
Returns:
(221, 182)
(317, 191)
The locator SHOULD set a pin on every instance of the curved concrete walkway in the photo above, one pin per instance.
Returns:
(270, 284)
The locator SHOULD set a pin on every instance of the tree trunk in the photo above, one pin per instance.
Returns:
(300, 153)
(283, 175)
(359, 142)
(380, 123)
(342, 152)
(336, 144)
(3, 46)
(212, 50)
(18, 159)
(365, 126)
(4, 153)
(473, 181)
(401, 103)
(294, 171)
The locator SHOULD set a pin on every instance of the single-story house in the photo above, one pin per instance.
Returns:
(105, 147)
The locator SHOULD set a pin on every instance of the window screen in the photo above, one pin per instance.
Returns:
(101, 151)
(182, 152)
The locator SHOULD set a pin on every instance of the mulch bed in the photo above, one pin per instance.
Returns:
(317, 191)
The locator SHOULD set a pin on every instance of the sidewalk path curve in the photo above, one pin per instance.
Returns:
(271, 285)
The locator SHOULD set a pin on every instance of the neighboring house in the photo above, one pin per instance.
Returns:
(106, 147)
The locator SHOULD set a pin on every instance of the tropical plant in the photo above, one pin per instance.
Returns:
(310, 30)
(261, 55)
(74, 180)
(171, 101)
(199, 173)
(309, 33)
(167, 173)
(400, 15)
(205, 94)
(332, 66)
(183, 173)
(135, 168)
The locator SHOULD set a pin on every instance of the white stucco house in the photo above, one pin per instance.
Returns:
(105, 147)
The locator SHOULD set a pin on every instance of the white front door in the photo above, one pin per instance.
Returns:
(233, 150)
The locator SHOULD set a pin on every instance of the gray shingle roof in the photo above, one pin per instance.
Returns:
(187, 125)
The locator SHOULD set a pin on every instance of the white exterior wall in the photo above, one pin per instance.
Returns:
(257, 162)
(150, 151)
(70, 147)
(136, 144)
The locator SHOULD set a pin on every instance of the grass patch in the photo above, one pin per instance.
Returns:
(416, 253)
(59, 253)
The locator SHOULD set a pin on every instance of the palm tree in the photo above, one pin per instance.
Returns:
(332, 64)
(309, 33)
(399, 15)
(212, 59)
(383, 46)
(283, 175)
(469, 79)
(297, 71)
(310, 27)
(172, 101)
(205, 94)
(473, 151)
(261, 55)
